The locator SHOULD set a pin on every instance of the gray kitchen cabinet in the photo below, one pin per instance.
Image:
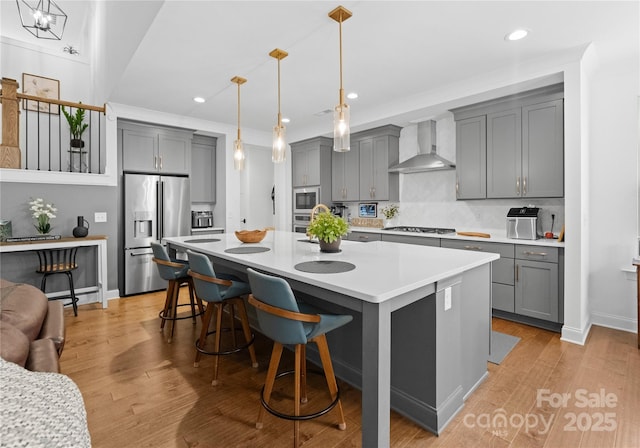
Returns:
(502, 270)
(537, 289)
(523, 146)
(311, 162)
(345, 175)
(203, 169)
(471, 158)
(504, 154)
(379, 149)
(155, 150)
(543, 149)
(407, 239)
(363, 237)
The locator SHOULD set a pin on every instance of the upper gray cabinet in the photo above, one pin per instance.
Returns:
(203, 169)
(345, 175)
(155, 150)
(368, 180)
(311, 162)
(471, 158)
(511, 147)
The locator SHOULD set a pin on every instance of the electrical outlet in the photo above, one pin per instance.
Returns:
(447, 298)
(100, 217)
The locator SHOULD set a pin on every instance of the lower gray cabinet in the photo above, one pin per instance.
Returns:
(363, 237)
(423, 241)
(536, 284)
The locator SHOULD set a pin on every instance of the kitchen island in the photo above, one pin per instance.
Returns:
(420, 337)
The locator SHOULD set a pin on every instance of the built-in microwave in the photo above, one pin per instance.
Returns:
(304, 199)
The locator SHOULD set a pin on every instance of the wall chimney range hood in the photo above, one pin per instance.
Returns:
(427, 159)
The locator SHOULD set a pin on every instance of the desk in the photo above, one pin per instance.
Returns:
(100, 241)
(636, 262)
(440, 299)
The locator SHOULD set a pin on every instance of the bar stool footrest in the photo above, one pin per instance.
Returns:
(298, 417)
(189, 316)
(235, 349)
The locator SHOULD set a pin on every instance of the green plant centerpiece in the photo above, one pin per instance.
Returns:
(329, 229)
(390, 212)
(76, 126)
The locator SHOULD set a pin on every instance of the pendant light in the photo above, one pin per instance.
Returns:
(341, 131)
(238, 149)
(279, 150)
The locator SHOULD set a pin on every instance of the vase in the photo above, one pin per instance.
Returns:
(81, 231)
(391, 222)
(77, 156)
(330, 247)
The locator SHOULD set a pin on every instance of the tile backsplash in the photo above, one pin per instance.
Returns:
(428, 199)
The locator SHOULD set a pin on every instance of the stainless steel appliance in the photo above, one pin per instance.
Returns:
(154, 207)
(522, 223)
(301, 222)
(304, 199)
(438, 230)
(201, 219)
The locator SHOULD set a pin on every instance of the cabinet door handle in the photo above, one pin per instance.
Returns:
(517, 272)
(524, 186)
(160, 162)
(155, 162)
(539, 254)
(518, 185)
(374, 192)
(473, 247)
(363, 237)
(457, 187)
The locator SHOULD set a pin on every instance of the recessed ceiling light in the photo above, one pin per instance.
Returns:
(198, 99)
(517, 34)
(352, 95)
(285, 120)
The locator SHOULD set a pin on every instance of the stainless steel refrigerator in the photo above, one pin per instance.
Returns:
(154, 207)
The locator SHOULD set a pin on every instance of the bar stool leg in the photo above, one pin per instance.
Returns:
(303, 374)
(191, 300)
(296, 394)
(216, 347)
(276, 354)
(74, 300)
(167, 305)
(174, 303)
(244, 320)
(203, 333)
(325, 357)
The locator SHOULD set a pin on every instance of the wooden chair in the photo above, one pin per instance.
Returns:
(175, 272)
(288, 322)
(59, 261)
(218, 292)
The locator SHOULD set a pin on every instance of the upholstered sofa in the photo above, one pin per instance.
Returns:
(31, 327)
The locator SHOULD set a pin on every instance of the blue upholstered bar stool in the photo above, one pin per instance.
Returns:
(288, 322)
(219, 291)
(175, 272)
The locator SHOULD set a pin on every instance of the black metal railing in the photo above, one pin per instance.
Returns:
(42, 136)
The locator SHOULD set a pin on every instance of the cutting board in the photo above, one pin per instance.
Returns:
(477, 234)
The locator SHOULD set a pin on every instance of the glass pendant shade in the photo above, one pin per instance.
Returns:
(238, 155)
(279, 150)
(341, 130)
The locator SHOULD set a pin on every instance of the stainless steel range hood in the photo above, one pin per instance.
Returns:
(427, 159)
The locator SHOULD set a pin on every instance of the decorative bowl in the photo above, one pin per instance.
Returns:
(251, 236)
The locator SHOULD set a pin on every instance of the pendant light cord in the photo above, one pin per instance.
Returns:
(279, 115)
(238, 111)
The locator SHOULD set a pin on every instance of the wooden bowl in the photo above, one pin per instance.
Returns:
(251, 236)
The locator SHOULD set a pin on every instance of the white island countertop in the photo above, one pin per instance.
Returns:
(383, 270)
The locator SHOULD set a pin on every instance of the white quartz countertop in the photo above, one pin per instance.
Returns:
(207, 229)
(496, 236)
(383, 270)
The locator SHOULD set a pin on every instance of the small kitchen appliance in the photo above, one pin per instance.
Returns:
(522, 223)
(201, 219)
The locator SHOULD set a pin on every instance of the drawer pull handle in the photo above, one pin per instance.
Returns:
(540, 254)
(473, 247)
(517, 272)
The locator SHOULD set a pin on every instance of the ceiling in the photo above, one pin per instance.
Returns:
(159, 55)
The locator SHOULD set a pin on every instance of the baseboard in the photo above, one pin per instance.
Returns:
(615, 322)
(576, 335)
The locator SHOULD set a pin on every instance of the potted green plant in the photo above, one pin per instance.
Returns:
(76, 126)
(329, 229)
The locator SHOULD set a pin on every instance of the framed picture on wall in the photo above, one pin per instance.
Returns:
(43, 87)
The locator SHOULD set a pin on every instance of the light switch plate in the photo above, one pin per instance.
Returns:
(447, 298)
(100, 217)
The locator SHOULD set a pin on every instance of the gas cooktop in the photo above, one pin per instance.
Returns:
(438, 230)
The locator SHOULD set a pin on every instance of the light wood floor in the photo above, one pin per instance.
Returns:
(141, 391)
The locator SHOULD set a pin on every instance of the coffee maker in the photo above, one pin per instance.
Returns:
(339, 210)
